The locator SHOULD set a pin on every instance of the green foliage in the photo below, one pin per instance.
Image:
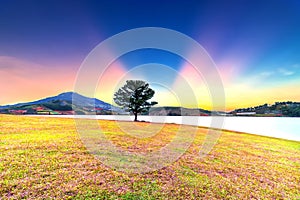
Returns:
(58, 105)
(134, 96)
(287, 109)
(291, 111)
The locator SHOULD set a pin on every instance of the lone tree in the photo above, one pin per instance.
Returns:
(134, 96)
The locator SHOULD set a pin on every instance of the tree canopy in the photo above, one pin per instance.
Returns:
(134, 96)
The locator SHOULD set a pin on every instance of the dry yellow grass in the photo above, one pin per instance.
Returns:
(44, 158)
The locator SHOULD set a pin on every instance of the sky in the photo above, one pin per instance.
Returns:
(254, 45)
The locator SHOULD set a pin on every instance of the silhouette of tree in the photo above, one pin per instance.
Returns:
(134, 96)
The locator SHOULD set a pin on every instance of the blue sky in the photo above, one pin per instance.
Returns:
(255, 44)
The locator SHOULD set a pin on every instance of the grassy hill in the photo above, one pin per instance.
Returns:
(44, 158)
(64, 103)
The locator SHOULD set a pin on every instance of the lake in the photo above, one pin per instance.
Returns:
(279, 127)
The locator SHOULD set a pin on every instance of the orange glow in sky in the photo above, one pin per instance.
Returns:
(24, 81)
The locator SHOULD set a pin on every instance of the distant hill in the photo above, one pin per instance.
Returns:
(285, 109)
(74, 103)
(65, 103)
(178, 111)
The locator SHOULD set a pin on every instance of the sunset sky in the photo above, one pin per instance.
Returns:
(254, 44)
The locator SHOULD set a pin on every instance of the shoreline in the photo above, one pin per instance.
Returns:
(282, 128)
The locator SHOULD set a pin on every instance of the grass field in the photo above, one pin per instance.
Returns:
(44, 158)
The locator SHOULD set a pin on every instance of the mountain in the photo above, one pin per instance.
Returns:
(63, 104)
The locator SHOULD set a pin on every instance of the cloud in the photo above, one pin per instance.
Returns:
(266, 74)
(17, 67)
(296, 66)
(285, 72)
(23, 80)
(273, 75)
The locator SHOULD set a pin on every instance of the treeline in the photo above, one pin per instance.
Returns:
(287, 109)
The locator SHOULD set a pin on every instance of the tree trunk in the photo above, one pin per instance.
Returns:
(135, 117)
